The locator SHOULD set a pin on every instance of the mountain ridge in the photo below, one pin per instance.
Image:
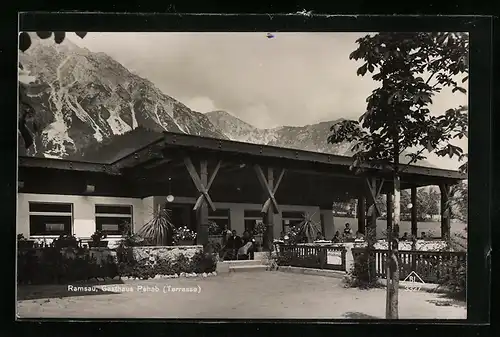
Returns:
(311, 137)
(88, 106)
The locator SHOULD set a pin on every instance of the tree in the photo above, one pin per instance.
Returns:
(398, 118)
(405, 201)
(26, 112)
(459, 201)
(427, 203)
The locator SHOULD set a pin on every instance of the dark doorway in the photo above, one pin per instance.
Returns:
(182, 215)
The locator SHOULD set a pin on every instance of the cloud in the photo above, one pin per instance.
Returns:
(200, 103)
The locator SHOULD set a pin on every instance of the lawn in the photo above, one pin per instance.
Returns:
(271, 295)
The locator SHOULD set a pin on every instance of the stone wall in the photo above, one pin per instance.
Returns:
(155, 253)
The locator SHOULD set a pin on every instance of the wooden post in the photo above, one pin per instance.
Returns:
(361, 213)
(269, 215)
(202, 184)
(270, 206)
(374, 187)
(445, 211)
(371, 219)
(389, 213)
(202, 211)
(414, 220)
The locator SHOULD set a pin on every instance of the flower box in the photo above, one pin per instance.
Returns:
(98, 244)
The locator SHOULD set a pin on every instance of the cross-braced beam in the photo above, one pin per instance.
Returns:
(203, 188)
(270, 187)
(374, 186)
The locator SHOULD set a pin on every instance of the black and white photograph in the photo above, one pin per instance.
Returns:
(242, 175)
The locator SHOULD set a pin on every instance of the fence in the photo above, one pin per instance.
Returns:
(428, 265)
(333, 258)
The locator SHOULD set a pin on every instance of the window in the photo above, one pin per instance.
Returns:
(291, 219)
(50, 218)
(220, 217)
(252, 218)
(113, 219)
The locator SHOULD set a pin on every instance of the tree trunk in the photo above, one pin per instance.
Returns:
(393, 265)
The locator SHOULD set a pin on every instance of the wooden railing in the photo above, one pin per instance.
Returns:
(428, 265)
(321, 257)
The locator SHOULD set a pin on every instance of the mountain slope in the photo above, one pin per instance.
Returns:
(309, 137)
(82, 98)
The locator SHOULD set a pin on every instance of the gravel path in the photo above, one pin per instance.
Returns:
(270, 295)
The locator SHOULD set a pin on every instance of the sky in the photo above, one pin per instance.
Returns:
(290, 79)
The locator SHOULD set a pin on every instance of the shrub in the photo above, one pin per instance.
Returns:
(203, 263)
(164, 267)
(64, 241)
(362, 274)
(76, 264)
(453, 277)
(54, 267)
(181, 264)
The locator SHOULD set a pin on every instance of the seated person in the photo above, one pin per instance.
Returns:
(234, 243)
(359, 236)
(405, 237)
(336, 237)
(286, 238)
(347, 231)
(248, 241)
(246, 251)
(319, 236)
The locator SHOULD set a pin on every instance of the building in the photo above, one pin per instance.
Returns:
(202, 180)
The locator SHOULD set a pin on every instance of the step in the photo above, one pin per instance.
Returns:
(247, 268)
(242, 262)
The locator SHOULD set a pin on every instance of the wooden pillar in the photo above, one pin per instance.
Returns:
(268, 217)
(414, 220)
(361, 214)
(270, 206)
(389, 213)
(371, 219)
(445, 211)
(202, 211)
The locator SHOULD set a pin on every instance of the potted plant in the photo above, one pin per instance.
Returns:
(184, 236)
(65, 241)
(23, 243)
(214, 233)
(159, 231)
(97, 239)
(307, 229)
(259, 230)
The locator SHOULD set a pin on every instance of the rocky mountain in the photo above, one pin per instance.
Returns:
(81, 99)
(309, 137)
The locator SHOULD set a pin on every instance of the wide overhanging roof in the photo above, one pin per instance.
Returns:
(172, 145)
